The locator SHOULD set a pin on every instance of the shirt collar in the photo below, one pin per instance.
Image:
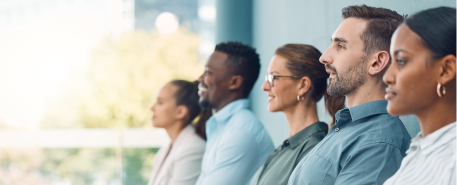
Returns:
(304, 134)
(219, 119)
(231, 108)
(437, 139)
(368, 109)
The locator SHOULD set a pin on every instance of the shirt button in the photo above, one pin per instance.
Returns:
(413, 148)
(337, 129)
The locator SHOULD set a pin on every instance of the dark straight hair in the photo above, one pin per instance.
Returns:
(381, 25)
(187, 95)
(436, 28)
(303, 60)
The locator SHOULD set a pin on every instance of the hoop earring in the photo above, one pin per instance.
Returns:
(300, 99)
(438, 90)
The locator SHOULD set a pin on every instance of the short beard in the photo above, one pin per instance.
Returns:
(204, 104)
(346, 82)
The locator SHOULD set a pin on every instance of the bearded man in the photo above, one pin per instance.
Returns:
(366, 145)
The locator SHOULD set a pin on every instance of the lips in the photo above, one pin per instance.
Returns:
(390, 94)
(270, 98)
(201, 88)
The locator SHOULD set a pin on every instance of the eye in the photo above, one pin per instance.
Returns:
(401, 62)
(340, 46)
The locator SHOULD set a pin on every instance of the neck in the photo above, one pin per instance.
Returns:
(301, 116)
(368, 92)
(174, 130)
(438, 115)
(226, 100)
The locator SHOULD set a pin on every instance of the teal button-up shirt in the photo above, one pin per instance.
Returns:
(237, 145)
(365, 146)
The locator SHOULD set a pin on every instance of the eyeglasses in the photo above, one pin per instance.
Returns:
(271, 77)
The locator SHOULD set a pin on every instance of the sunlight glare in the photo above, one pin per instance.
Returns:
(167, 23)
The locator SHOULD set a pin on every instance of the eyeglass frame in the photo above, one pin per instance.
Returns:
(271, 83)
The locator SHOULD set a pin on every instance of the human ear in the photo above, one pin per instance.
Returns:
(447, 69)
(304, 86)
(235, 82)
(181, 112)
(378, 66)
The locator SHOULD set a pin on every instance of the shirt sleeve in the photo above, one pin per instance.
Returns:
(187, 167)
(235, 162)
(372, 163)
(310, 144)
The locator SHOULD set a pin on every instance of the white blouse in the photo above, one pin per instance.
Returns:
(429, 160)
(180, 164)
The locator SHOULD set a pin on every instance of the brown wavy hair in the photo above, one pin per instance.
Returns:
(303, 60)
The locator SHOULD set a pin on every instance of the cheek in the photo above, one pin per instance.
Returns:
(164, 116)
(415, 91)
(284, 97)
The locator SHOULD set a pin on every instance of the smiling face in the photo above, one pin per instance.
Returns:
(214, 82)
(345, 59)
(283, 94)
(165, 108)
(410, 76)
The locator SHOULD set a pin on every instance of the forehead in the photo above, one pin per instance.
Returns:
(350, 29)
(167, 91)
(217, 60)
(405, 39)
(278, 65)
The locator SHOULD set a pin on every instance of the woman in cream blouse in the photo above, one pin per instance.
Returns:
(421, 81)
(179, 162)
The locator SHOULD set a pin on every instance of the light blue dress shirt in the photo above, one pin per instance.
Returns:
(237, 145)
(366, 146)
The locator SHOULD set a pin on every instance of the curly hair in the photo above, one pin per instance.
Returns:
(242, 60)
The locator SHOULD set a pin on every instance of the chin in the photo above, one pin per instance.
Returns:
(272, 108)
(394, 110)
(203, 103)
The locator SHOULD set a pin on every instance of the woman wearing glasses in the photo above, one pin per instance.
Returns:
(295, 82)
(421, 81)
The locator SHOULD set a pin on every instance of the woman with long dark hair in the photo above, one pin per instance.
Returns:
(176, 108)
(295, 82)
(421, 81)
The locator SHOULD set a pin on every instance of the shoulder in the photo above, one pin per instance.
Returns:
(385, 129)
(190, 141)
(245, 119)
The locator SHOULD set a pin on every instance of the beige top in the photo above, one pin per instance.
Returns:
(180, 164)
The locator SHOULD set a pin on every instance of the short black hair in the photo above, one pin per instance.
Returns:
(436, 28)
(242, 60)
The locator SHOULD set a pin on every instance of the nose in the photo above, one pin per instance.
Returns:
(266, 86)
(153, 107)
(389, 76)
(200, 79)
(326, 57)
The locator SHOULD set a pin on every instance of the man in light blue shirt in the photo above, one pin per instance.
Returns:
(237, 143)
(366, 145)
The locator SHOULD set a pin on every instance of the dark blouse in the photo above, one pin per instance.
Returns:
(281, 163)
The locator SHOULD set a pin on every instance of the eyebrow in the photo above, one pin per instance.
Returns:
(398, 51)
(274, 72)
(338, 39)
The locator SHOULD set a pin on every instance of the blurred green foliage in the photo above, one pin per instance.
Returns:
(126, 74)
